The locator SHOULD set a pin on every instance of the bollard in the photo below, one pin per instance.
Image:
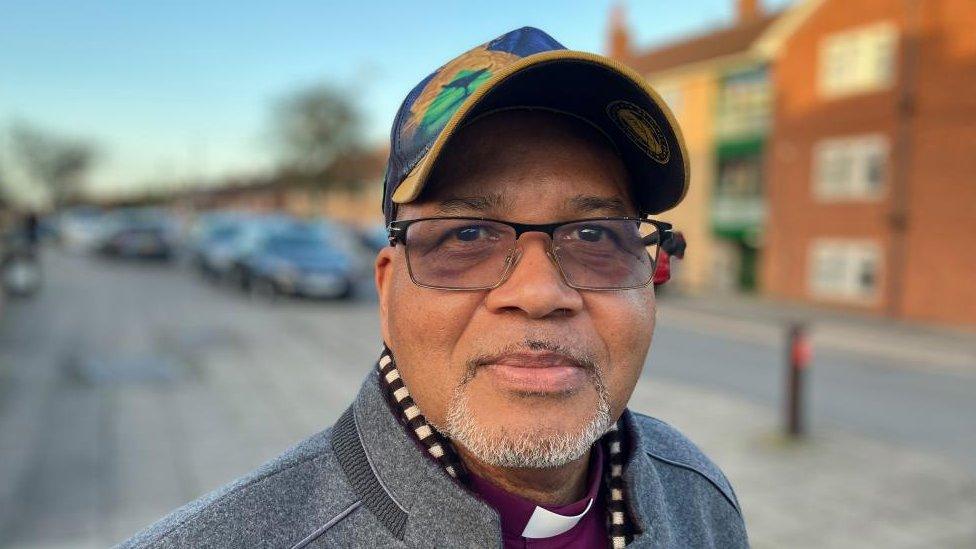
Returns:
(798, 358)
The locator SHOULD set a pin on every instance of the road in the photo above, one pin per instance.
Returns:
(129, 389)
(900, 400)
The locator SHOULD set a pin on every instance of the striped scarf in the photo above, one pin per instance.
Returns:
(620, 525)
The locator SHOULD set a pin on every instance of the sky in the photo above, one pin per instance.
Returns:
(184, 90)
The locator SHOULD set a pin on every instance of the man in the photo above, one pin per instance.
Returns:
(517, 310)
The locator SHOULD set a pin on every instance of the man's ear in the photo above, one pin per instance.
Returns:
(382, 276)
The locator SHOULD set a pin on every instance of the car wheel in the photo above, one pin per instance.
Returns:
(264, 289)
(237, 277)
(347, 291)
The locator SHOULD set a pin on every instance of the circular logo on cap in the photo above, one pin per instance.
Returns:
(641, 129)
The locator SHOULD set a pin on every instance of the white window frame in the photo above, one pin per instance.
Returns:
(858, 61)
(835, 266)
(859, 153)
(744, 103)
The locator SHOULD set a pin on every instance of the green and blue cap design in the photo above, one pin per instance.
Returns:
(528, 68)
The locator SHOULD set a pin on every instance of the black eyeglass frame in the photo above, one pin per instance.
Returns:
(397, 232)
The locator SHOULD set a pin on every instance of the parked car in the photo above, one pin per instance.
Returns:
(222, 251)
(375, 237)
(208, 234)
(300, 260)
(139, 234)
(80, 228)
(347, 240)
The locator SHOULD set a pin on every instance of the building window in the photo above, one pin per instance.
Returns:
(857, 61)
(852, 168)
(744, 103)
(740, 176)
(738, 207)
(844, 270)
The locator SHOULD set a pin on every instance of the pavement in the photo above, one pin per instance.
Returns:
(834, 490)
(127, 390)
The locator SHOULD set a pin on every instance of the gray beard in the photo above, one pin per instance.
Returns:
(538, 450)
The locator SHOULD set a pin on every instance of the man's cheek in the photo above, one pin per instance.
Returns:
(627, 330)
(627, 314)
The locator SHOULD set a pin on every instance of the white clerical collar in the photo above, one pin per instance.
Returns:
(545, 524)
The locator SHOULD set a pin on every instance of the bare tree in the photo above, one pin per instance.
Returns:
(315, 127)
(56, 162)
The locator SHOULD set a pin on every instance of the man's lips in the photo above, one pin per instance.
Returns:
(536, 372)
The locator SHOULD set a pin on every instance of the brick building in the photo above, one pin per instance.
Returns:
(870, 172)
(718, 85)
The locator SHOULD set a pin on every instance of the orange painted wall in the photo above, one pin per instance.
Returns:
(692, 216)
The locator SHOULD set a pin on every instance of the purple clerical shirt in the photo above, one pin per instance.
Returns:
(517, 513)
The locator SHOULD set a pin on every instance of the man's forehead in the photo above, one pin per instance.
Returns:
(496, 202)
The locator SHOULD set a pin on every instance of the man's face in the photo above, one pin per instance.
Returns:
(530, 373)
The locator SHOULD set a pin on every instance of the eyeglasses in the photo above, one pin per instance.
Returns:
(470, 253)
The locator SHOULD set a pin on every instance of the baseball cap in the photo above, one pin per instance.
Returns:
(527, 68)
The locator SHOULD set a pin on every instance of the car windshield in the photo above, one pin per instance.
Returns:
(224, 232)
(292, 243)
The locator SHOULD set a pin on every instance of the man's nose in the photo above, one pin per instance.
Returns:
(534, 284)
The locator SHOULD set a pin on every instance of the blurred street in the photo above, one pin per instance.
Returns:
(129, 389)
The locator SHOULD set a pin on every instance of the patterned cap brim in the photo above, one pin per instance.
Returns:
(607, 93)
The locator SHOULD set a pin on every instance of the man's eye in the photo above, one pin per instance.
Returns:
(590, 234)
(470, 234)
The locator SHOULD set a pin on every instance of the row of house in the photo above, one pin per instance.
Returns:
(350, 190)
(833, 152)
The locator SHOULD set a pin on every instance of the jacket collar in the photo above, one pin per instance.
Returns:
(420, 504)
(438, 510)
(647, 509)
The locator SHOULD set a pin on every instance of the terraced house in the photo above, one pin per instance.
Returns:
(871, 172)
(720, 89)
(831, 151)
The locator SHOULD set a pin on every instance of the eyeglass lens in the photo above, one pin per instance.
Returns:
(474, 254)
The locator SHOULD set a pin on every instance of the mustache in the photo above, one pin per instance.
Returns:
(578, 358)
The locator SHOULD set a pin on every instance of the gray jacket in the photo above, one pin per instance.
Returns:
(366, 483)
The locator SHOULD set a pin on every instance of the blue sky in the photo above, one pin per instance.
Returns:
(183, 90)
